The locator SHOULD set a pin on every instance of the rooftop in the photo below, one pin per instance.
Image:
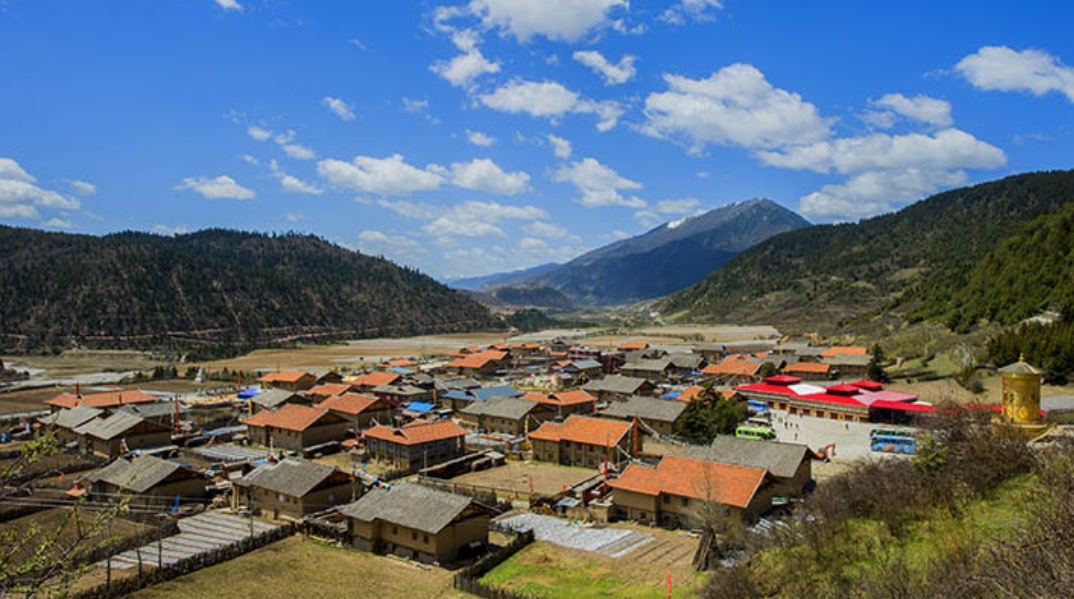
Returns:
(292, 477)
(137, 474)
(583, 429)
(513, 408)
(348, 403)
(781, 459)
(290, 417)
(284, 376)
(108, 399)
(416, 433)
(697, 479)
(409, 505)
(646, 408)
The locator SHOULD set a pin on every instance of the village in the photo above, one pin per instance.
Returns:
(458, 462)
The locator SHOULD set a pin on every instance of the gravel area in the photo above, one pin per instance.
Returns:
(612, 542)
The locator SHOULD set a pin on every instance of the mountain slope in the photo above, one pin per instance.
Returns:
(502, 279)
(212, 288)
(667, 258)
(906, 261)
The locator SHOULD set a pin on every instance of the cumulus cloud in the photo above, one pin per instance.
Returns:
(681, 206)
(293, 184)
(222, 187)
(390, 176)
(395, 247)
(875, 192)
(229, 5)
(561, 147)
(549, 230)
(551, 100)
(299, 151)
(416, 106)
(340, 108)
(1005, 69)
(478, 138)
(84, 187)
(258, 133)
(613, 73)
(58, 223)
(557, 20)
(478, 219)
(599, 184)
(735, 106)
(694, 10)
(461, 70)
(920, 108)
(20, 196)
(483, 174)
(170, 231)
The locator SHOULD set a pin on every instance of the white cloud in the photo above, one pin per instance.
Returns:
(258, 133)
(944, 150)
(734, 106)
(1004, 69)
(293, 184)
(485, 175)
(20, 197)
(170, 231)
(395, 247)
(599, 184)
(389, 176)
(561, 147)
(532, 244)
(681, 206)
(294, 217)
(478, 138)
(613, 74)
(84, 187)
(250, 159)
(548, 230)
(341, 109)
(551, 100)
(222, 187)
(464, 68)
(879, 119)
(648, 218)
(286, 137)
(924, 109)
(557, 20)
(618, 234)
(357, 43)
(58, 223)
(695, 10)
(299, 152)
(477, 219)
(229, 5)
(876, 192)
(417, 106)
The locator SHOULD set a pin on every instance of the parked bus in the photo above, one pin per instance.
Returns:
(757, 407)
(758, 433)
(902, 432)
(888, 443)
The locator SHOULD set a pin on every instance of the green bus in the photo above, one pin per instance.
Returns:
(758, 433)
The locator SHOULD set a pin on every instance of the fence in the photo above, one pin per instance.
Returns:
(486, 496)
(469, 578)
(126, 586)
(322, 525)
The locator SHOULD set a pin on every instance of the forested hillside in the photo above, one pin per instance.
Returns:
(936, 258)
(213, 291)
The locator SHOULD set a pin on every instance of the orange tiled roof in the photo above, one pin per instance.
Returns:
(478, 360)
(582, 429)
(562, 398)
(633, 345)
(733, 368)
(348, 403)
(697, 479)
(108, 399)
(842, 351)
(809, 367)
(329, 389)
(284, 376)
(376, 379)
(691, 393)
(290, 417)
(417, 434)
(399, 363)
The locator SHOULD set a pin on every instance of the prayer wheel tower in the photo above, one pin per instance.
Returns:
(1021, 397)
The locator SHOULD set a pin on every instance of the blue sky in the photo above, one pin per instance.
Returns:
(483, 136)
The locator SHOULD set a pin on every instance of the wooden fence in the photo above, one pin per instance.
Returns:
(469, 578)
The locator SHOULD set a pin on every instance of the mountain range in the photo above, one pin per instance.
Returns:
(665, 259)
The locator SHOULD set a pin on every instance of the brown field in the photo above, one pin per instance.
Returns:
(48, 521)
(547, 570)
(295, 567)
(34, 399)
(81, 361)
(947, 389)
(514, 477)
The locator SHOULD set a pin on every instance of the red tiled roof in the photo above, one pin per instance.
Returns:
(562, 398)
(108, 399)
(582, 429)
(828, 398)
(284, 376)
(376, 379)
(348, 403)
(733, 368)
(697, 479)
(417, 434)
(478, 360)
(768, 388)
(329, 389)
(783, 379)
(809, 367)
(290, 417)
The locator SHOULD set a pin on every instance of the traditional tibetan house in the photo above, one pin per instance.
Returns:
(294, 488)
(289, 380)
(619, 388)
(324, 391)
(102, 400)
(585, 441)
(365, 383)
(654, 415)
(505, 415)
(479, 364)
(361, 411)
(417, 445)
(113, 434)
(296, 427)
(274, 399)
(789, 465)
(565, 403)
(150, 482)
(418, 522)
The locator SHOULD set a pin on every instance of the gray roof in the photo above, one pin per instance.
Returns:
(809, 351)
(293, 477)
(658, 365)
(1021, 367)
(781, 459)
(615, 384)
(586, 364)
(273, 398)
(110, 427)
(460, 384)
(847, 360)
(154, 410)
(646, 408)
(138, 474)
(685, 360)
(750, 345)
(409, 505)
(72, 418)
(513, 408)
(400, 390)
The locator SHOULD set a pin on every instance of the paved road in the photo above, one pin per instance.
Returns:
(851, 438)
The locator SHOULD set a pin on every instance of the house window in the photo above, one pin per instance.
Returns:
(425, 539)
(395, 530)
(685, 501)
(667, 499)
(413, 535)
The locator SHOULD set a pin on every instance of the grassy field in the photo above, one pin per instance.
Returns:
(295, 567)
(549, 571)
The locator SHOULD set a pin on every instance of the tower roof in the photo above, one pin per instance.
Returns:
(1021, 367)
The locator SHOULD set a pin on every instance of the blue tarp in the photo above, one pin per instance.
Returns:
(673, 394)
(400, 371)
(421, 407)
(249, 392)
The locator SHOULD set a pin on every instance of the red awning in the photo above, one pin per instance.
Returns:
(902, 406)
